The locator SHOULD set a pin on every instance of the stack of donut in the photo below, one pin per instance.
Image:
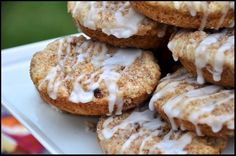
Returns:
(121, 68)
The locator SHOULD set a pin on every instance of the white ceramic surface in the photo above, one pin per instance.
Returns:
(58, 132)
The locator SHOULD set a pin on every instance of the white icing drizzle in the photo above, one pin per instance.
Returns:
(153, 134)
(79, 94)
(219, 58)
(205, 15)
(123, 57)
(105, 65)
(174, 76)
(168, 85)
(177, 4)
(191, 8)
(225, 11)
(135, 117)
(76, 7)
(171, 45)
(124, 26)
(91, 20)
(107, 121)
(174, 107)
(131, 139)
(157, 96)
(150, 127)
(59, 51)
(216, 121)
(52, 78)
(202, 100)
(108, 63)
(206, 10)
(201, 54)
(169, 146)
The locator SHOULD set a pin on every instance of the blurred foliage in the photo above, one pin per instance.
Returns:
(26, 22)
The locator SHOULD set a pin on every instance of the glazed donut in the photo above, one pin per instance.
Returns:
(144, 132)
(209, 55)
(84, 77)
(205, 109)
(117, 23)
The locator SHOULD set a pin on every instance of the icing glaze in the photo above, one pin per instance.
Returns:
(171, 146)
(203, 54)
(125, 24)
(168, 84)
(151, 135)
(131, 139)
(151, 127)
(202, 100)
(135, 117)
(205, 7)
(191, 8)
(105, 64)
(219, 58)
(225, 11)
(205, 15)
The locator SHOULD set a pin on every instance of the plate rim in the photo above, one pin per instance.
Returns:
(30, 126)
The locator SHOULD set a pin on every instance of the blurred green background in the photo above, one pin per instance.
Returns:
(26, 22)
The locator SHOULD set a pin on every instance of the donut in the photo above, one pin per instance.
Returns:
(206, 109)
(144, 132)
(86, 77)
(117, 23)
(195, 14)
(209, 55)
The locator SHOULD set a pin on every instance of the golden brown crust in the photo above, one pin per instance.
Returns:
(146, 41)
(198, 145)
(165, 12)
(150, 34)
(205, 129)
(226, 78)
(193, 47)
(91, 108)
(136, 83)
(146, 27)
(195, 106)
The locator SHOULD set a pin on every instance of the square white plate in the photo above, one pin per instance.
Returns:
(58, 132)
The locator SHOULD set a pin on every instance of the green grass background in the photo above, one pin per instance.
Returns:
(27, 22)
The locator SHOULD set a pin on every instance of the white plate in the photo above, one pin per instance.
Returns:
(58, 132)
